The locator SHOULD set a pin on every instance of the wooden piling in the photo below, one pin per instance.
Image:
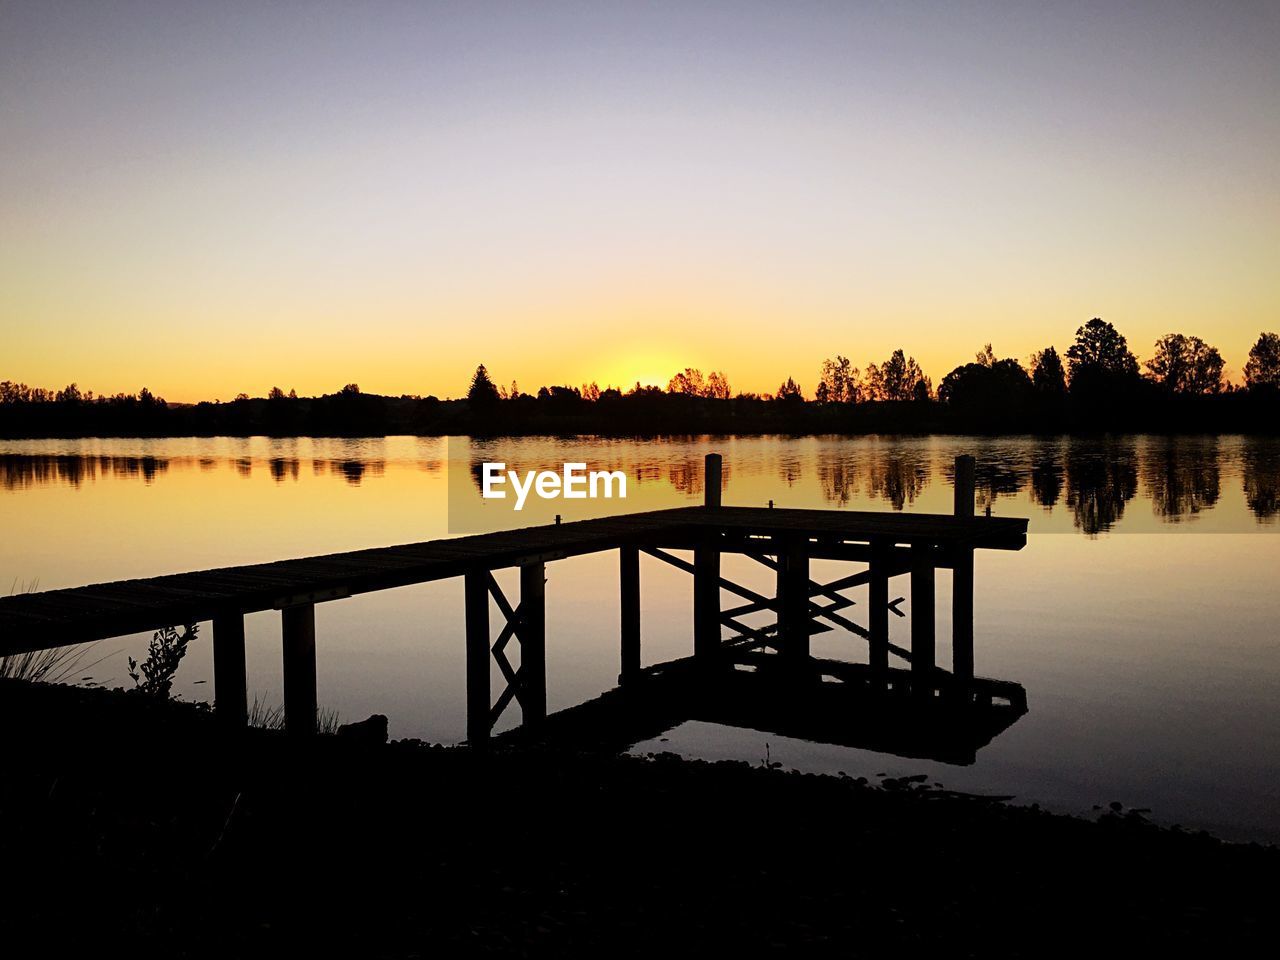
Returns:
(532, 633)
(964, 486)
(298, 628)
(878, 600)
(476, 603)
(230, 687)
(793, 601)
(962, 584)
(922, 620)
(962, 618)
(629, 586)
(706, 570)
(706, 599)
(713, 477)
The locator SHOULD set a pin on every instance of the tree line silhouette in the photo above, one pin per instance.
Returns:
(1098, 386)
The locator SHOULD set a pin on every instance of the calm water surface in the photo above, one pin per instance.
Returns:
(1141, 617)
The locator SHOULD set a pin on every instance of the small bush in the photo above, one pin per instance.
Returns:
(164, 654)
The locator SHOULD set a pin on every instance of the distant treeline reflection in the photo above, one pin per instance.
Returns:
(21, 471)
(1095, 480)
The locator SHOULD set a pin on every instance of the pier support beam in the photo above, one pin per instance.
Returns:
(706, 601)
(962, 586)
(706, 571)
(922, 620)
(878, 600)
(298, 625)
(629, 587)
(532, 634)
(476, 602)
(230, 686)
(793, 601)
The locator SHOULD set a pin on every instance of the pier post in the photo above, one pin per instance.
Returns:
(706, 571)
(533, 643)
(230, 686)
(793, 601)
(922, 620)
(706, 600)
(231, 689)
(713, 480)
(476, 603)
(298, 626)
(629, 586)
(964, 486)
(962, 586)
(878, 655)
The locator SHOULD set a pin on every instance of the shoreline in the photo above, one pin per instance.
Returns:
(189, 845)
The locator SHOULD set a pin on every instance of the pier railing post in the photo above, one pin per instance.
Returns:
(964, 486)
(713, 480)
(962, 586)
(533, 643)
(922, 620)
(476, 602)
(230, 687)
(298, 626)
(629, 587)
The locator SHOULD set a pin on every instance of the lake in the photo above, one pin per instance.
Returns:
(1141, 617)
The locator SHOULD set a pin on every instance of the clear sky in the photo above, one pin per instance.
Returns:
(215, 197)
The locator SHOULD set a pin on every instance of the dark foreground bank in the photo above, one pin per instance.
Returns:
(128, 825)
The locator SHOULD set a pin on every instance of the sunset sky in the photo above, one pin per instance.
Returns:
(210, 198)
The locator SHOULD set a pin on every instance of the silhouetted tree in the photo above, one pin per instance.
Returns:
(1183, 364)
(895, 379)
(789, 392)
(482, 393)
(1262, 371)
(275, 393)
(689, 381)
(1103, 373)
(717, 386)
(1047, 374)
(70, 394)
(1100, 349)
(987, 387)
(838, 381)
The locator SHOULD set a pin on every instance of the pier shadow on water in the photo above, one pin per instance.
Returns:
(821, 701)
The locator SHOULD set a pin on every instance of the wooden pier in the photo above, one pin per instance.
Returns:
(884, 546)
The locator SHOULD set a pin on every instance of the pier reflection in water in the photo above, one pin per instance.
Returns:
(828, 702)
